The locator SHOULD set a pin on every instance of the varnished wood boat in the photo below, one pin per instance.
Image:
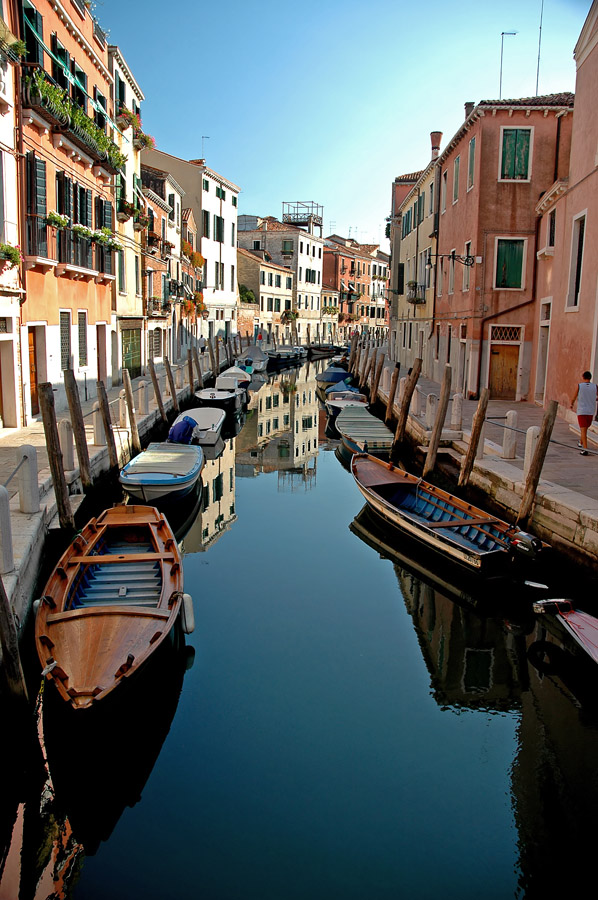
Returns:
(113, 598)
(464, 533)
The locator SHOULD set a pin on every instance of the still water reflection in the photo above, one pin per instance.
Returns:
(352, 725)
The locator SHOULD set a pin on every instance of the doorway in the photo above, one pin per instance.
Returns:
(33, 373)
(504, 364)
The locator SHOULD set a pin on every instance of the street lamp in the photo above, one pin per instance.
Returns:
(465, 260)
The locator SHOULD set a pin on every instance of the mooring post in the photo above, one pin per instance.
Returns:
(6, 554)
(65, 436)
(445, 393)
(28, 479)
(46, 401)
(157, 392)
(178, 378)
(431, 407)
(107, 421)
(410, 385)
(212, 358)
(457, 412)
(98, 431)
(143, 398)
(476, 432)
(509, 444)
(122, 408)
(74, 401)
(391, 394)
(190, 372)
(131, 407)
(535, 469)
(531, 442)
(198, 369)
(11, 659)
(377, 374)
(175, 401)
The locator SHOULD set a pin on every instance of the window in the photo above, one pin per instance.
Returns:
(60, 63)
(270, 279)
(206, 223)
(33, 24)
(82, 322)
(456, 167)
(270, 307)
(431, 207)
(287, 246)
(121, 272)
(262, 277)
(232, 278)
(234, 201)
(277, 280)
(509, 263)
(137, 277)
(65, 340)
(206, 184)
(443, 189)
(232, 234)
(471, 164)
(218, 229)
(551, 228)
(515, 154)
(451, 277)
(289, 283)
(277, 304)
(579, 227)
(256, 245)
(221, 193)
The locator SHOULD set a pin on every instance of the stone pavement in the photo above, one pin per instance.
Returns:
(563, 464)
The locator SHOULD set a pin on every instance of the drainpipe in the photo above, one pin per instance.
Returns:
(22, 213)
(435, 137)
(503, 312)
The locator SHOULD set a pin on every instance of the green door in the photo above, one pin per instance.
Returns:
(131, 338)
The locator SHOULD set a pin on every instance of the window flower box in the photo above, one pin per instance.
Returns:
(10, 256)
(56, 220)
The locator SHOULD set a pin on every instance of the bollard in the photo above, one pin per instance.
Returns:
(402, 389)
(509, 444)
(99, 438)
(6, 557)
(479, 453)
(431, 406)
(65, 435)
(143, 398)
(457, 412)
(415, 402)
(531, 441)
(28, 479)
(122, 409)
(179, 377)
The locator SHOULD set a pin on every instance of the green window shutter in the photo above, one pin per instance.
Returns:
(107, 209)
(509, 264)
(40, 187)
(30, 168)
(471, 166)
(522, 153)
(509, 139)
(99, 212)
(88, 208)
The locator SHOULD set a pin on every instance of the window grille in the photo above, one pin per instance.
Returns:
(82, 320)
(65, 340)
(506, 333)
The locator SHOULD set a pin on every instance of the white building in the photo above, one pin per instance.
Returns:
(214, 202)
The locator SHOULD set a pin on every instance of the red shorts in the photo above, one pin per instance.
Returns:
(585, 421)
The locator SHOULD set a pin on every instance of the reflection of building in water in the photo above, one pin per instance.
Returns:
(281, 433)
(217, 511)
(465, 654)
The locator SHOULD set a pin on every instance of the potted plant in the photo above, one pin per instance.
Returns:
(128, 119)
(82, 231)
(10, 255)
(124, 211)
(143, 141)
(56, 220)
(197, 260)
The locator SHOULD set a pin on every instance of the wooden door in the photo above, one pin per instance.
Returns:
(33, 372)
(504, 362)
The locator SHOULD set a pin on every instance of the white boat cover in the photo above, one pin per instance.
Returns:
(164, 459)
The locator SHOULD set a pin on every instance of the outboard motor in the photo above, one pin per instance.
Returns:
(524, 544)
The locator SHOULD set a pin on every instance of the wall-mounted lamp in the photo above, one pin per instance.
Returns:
(465, 260)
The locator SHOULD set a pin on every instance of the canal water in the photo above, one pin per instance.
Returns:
(347, 721)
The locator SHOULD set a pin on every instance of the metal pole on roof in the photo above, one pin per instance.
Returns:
(539, 46)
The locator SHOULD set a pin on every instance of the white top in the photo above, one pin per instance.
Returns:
(586, 399)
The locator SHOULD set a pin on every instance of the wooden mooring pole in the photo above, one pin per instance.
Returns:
(445, 393)
(171, 385)
(107, 422)
(198, 368)
(405, 403)
(392, 391)
(476, 430)
(535, 469)
(131, 408)
(46, 402)
(11, 658)
(74, 402)
(157, 391)
(377, 376)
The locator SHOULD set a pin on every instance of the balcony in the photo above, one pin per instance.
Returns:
(46, 98)
(416, 293)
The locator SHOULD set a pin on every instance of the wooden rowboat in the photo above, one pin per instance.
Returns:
(461, 532)
(113, 598)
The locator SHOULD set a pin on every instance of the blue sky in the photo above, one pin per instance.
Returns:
(329, 101)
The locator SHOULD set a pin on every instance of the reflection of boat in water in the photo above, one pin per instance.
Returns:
(579, 626)
(493, 595)
(100, 764)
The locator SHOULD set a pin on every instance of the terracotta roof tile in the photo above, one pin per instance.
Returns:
(566, 98)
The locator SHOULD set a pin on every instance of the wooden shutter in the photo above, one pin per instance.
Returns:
(401, 278)
(108, 210)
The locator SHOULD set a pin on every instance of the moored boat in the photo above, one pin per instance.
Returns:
(283, 355)
(255, 357)
(361, 432)
(460, 531)
(336, 401)
(162, 471)
(208, 421)
(221, 398)
(579, 625)
(111, 601)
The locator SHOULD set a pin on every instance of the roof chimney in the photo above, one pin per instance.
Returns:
(469, 109)
(435, 137)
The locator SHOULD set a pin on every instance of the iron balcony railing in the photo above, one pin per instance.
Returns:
(40, 239)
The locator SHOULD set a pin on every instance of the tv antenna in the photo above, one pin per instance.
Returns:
(204, 137)
(502, 40)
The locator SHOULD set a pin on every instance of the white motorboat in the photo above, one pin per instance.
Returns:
(338, 400)
(208, 424)
(255, 357)
(162, 471)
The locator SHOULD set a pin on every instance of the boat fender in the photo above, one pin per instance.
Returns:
(525, 544)
(187, 614)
